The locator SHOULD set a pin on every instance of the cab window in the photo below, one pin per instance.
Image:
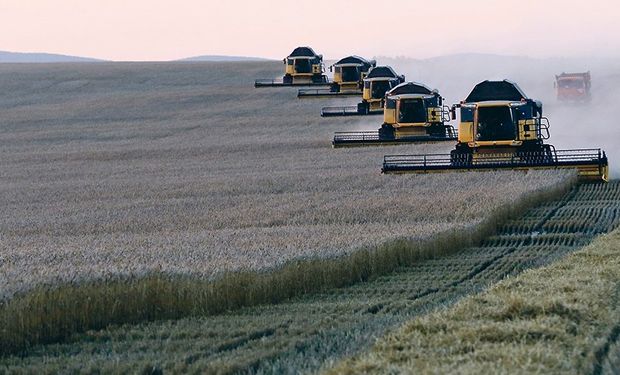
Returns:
(467, 114)
(495, 124)
(412, 111)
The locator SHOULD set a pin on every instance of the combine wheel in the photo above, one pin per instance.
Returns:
(287, 79)
(438, 131)
(318, 79)
(386, 132)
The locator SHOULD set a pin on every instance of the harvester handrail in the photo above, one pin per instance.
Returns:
(543, 128)
(445, 113)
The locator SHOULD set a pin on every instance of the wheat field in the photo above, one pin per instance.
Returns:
(116, 172)
(312, 332)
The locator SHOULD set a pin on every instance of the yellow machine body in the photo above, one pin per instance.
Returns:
(527, 131)
(470, 126)
(351, 84)
(303, 68)
(394, 113)
(374, 92)
(413, 115)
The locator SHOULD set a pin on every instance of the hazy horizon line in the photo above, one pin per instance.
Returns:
(266, 58)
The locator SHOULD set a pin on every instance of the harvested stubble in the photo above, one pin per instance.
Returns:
(560, 319)
(145, 191)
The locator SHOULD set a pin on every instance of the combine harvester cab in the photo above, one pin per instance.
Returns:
(303, 67)
(412, 113)
(379, 80)
(500, 128)
(349, 74)
(573, 87)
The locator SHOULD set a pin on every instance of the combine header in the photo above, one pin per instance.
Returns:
(500, 128)
(349, 74)
(379, 80)
(413, 113)
(573, 87)
(303, 67)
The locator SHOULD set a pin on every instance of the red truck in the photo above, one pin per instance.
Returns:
(573, 87)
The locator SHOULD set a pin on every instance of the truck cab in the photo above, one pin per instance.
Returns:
(573, 87)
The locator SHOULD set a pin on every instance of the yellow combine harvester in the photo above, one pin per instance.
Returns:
(379, 80)
(500, 128)
(349, 74)
(303, 67)
(412, 113)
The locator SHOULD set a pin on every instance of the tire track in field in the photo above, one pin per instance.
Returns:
(523, 242)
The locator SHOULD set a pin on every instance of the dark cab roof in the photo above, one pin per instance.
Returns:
(496, 90)
(303, 51)
(355, 60)
(382, 71)
(410, 88)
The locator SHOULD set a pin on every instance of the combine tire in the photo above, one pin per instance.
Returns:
(362, 108)
(287, 79)
(437, 131)
(386, 132)
(318, 79)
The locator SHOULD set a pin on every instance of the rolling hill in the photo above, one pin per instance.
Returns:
(35, 57)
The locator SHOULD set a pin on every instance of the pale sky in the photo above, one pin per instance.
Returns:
(166, 30)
